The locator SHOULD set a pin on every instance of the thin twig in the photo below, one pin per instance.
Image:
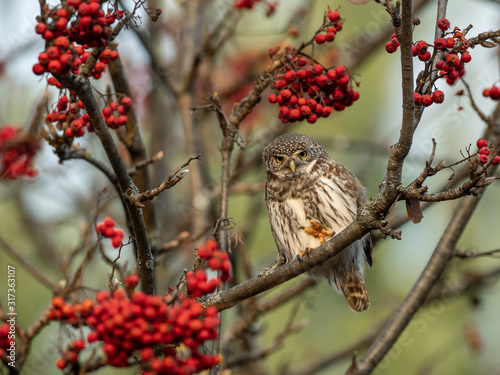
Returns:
(35, 271)
(169, 182)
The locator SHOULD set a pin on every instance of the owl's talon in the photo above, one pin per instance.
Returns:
(306, 252)
(316, 230)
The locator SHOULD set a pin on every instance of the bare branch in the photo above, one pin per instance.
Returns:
(169, 182)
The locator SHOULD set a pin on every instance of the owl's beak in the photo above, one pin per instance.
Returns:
(291, 165)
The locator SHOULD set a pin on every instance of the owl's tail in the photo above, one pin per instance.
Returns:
(354, 291)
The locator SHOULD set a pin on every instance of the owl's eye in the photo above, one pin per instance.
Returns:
(279, 159)
(303, 154)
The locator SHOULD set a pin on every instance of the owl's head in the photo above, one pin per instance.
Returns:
(292, 154)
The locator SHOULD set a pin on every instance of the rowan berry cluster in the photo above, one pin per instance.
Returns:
(427, 99)
(393, 45)
(453, 47)
(70, 355)
(116, 115)
(484, 152)
(332, 25)
(107, 229)
(307, 91)
(66, 115)
(17, 151)
(70, 31)
(129, 327)
(5, 340)
(197, 282)
(492, 92)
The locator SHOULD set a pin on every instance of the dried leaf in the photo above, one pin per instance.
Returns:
(413, 210)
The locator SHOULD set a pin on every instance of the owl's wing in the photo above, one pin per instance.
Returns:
(339, 193)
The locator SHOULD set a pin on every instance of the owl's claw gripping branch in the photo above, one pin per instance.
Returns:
(304, 253)
(317, 230)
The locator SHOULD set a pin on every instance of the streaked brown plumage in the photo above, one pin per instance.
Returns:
(306, 187)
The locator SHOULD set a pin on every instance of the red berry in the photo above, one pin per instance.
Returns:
(38, 69)
(438, 96)
(62, 42)
(496, 160)
(54, 66)
(422, 46)
(330, 37)
(450, 42)
(440, 64)
(486, 92)
(483, 159)
(481, 142)
(443, 24)
(484, 151)
(440, 44)
(426, 100)
(62, 13)
(40, 28)
(61, 363)
(320, 38)
(334, 16)
(466, 57)
(53, 52)
(61, 23)
(272, 98)
(126, 101)
(426, 56)
(495, 92)
(132, 281)
(286, 94)
(47, 35)
(79, 344)
(390, 48)
(147, 354)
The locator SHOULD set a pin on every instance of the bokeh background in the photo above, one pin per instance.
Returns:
(43, 218)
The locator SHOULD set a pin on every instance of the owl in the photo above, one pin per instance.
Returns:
(309, 198)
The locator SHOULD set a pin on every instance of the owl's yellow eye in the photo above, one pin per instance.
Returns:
(303, 154)
(279, 159)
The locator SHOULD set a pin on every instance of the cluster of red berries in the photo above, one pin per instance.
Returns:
(393, 45)
(107, 229)
(16, 153)
(135, 325)
(5, 338)
(307, 91)
(69, 32)
(456, 55)
(116, 115)
(484, 152)
(427, 99)
(333, 24)
(197, 282)
(493, 92)
(67, 116)
(70, 355)
(454, 48)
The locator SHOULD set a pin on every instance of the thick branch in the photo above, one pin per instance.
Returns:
(82, 88)
(328, 249)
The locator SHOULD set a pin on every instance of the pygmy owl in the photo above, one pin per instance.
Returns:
(309, 198)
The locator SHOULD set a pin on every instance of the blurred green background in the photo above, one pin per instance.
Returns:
(43, 218)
